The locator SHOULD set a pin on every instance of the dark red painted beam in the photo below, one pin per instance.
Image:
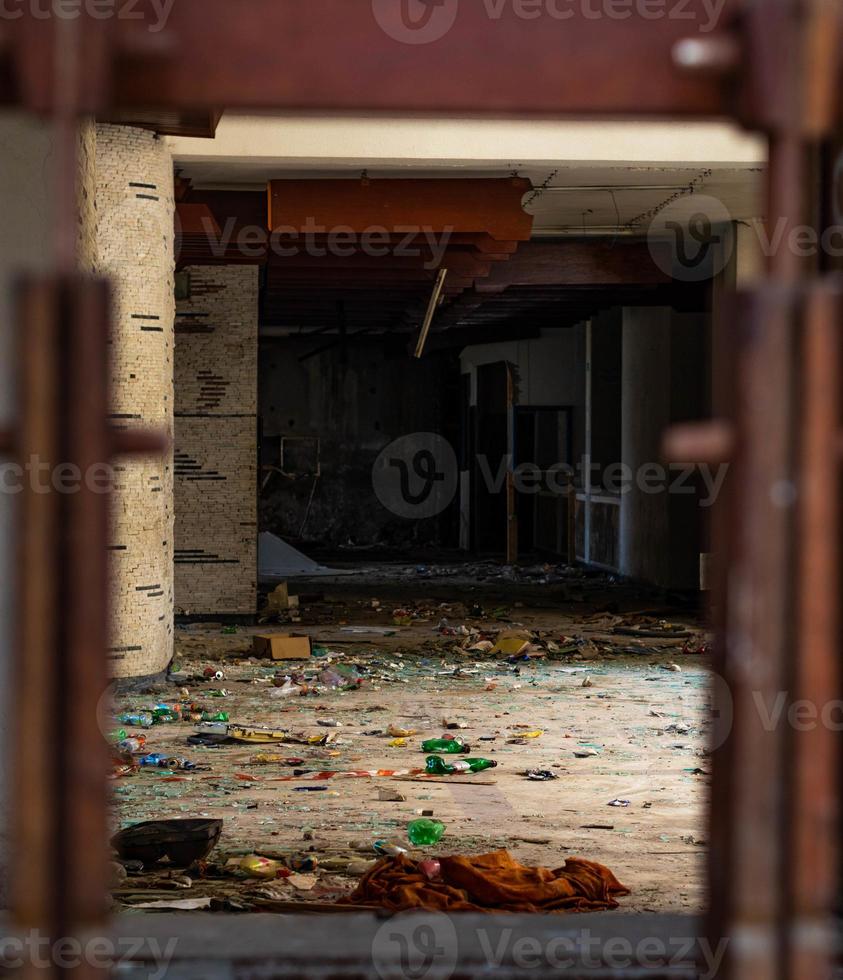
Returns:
(333, 55)
(471, 205)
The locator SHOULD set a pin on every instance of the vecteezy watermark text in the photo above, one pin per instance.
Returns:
(315, 240)
(424, 946)
(691, 237)
(426, 21)
(155, 12)
(42, 477)
(42, 952)
(417, 475)
(617, 478)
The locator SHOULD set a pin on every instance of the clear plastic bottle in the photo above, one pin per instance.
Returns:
(137, 719)
(137, 743)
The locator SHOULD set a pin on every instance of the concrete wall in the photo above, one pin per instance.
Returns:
(354, 407)
(216, 442)
(645, 414)
(664, 380)
(135, 208)
(550, 370)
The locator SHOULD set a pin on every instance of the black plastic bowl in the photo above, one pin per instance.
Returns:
(182, 841)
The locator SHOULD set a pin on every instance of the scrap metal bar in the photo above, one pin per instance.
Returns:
(432, 306)
(725, 523)
(35, 703)
(759, 634)
(60, 855)
(815, 742)
(83, 615)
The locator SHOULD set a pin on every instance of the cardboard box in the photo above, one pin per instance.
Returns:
(281, 646)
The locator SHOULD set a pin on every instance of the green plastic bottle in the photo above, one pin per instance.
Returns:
(425, 832)
(164, 714)
(437, 766)
(450, 746)
(219, 716)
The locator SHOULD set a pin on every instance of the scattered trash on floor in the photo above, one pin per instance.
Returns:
(369, 736)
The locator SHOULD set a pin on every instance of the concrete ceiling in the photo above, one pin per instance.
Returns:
(591, 178)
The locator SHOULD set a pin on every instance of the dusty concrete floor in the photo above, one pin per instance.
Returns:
(647, 724)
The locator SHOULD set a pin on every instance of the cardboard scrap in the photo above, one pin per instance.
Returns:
(282, 646)
(280, 600)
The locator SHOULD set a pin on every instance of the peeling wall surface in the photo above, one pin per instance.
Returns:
(216, 442)
(351, 408)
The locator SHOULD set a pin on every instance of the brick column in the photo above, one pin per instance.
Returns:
(135, 206)
(216, 442)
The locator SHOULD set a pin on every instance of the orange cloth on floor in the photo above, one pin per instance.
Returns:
(493, 882)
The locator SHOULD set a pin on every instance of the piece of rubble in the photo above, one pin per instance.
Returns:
(386, 794)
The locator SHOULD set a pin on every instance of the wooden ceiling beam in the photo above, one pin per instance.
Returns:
(577, 263)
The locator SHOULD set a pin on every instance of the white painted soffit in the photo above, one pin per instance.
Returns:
(593, 177)
(253, 149)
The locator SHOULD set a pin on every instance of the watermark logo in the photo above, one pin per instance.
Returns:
(35, 951)
(153, 239)
(722, 711)
(416, 476)
(691, 238)
(422, 947)
(155, 12)
(415, 21)
(106, 710)
(40, 476)
(313, 240)
(427, 21)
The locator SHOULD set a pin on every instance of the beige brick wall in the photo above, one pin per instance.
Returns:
(216, 442)
(134, 212)
(86, 197)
